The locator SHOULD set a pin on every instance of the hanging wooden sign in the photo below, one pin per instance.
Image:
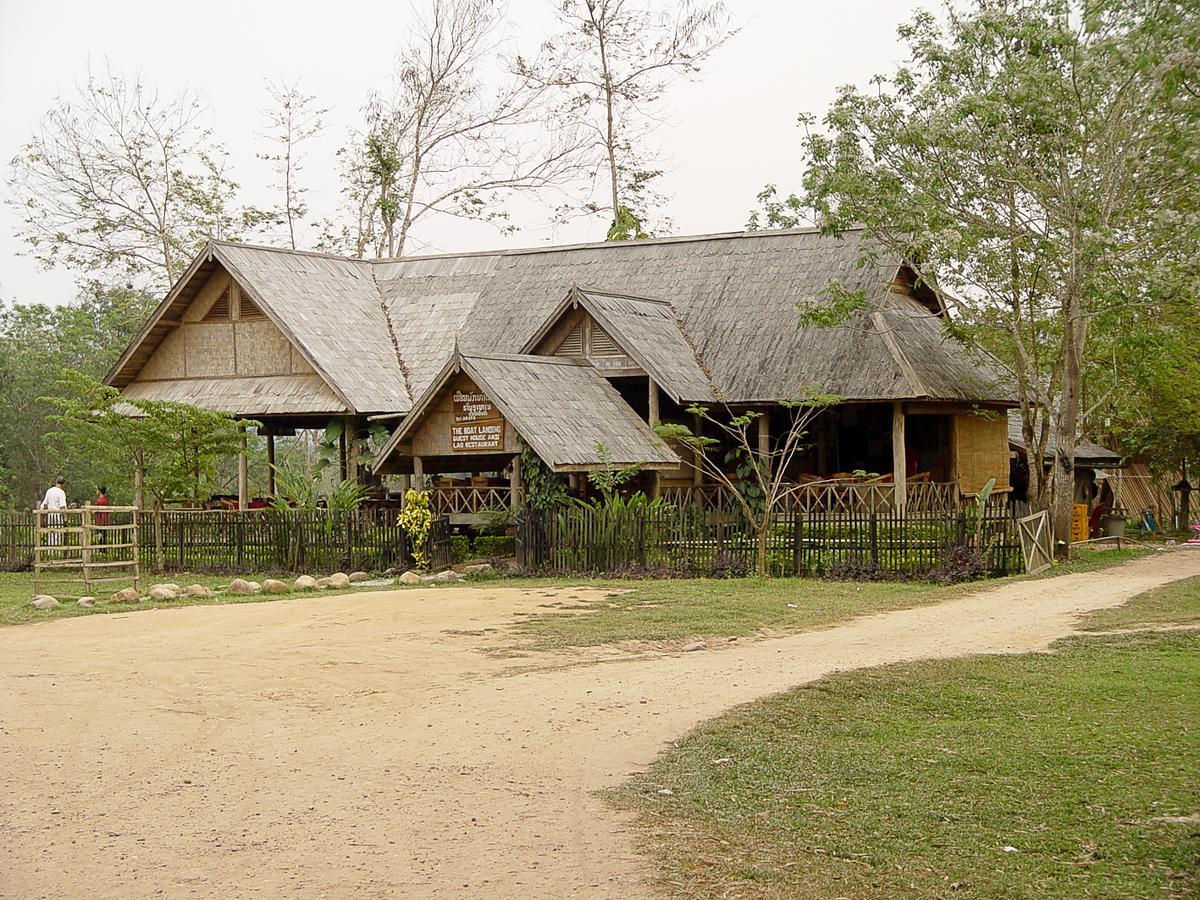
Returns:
(477, 425)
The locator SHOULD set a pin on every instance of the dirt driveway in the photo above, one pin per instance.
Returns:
(363, 745)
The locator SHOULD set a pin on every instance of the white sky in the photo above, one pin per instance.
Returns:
(727, 136)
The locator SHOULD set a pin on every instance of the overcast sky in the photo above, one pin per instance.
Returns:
(728, 135)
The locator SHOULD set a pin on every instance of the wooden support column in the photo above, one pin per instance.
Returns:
(764, 434)
(418, 477)
(405, 487)
(515, 487)
(139, 479)
(343, 467)
(899, 456)
(653, 420)
(350, 433)
(270, 464)
(243, 474)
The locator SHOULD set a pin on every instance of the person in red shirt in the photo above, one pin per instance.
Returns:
(102, 517)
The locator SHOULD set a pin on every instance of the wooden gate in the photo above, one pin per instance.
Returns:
(89, 547)
(1037, 542)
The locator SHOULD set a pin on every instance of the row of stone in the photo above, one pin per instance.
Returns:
(167, 591)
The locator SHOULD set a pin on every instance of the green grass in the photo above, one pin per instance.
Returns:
(703, 607)
(712, 608)
(1177, 603)
(913, 779)
(16, 590)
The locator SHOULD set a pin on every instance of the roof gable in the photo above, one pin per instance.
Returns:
(562, 408)
(646, 330)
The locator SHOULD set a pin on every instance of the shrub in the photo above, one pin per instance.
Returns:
(645, 570)
(959, 562)
(460, 547)
(726, 565)
(489, 545)
(855, 569)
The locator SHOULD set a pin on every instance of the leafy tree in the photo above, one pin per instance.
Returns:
(613, 62)
(37, 343)
(1036, 162)
(609, 479)
(174, 447)
(121, 183)
(759, 484)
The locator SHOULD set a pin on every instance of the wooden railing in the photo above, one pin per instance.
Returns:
(836, 496)
(469, 499)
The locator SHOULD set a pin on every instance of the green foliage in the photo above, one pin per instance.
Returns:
(37, 344)
(626, 226)
(460, 547)
(609, 479)
(490, 545)
(417, 521)
(296, 489)
(178, 445)
(544, 488)
(497, 520)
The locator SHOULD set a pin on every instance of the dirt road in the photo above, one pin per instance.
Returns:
(363, 745)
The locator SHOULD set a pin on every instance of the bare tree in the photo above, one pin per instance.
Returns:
(613, 62)
(293, 119)
(758, 483)
(444, 143)
(121, 181)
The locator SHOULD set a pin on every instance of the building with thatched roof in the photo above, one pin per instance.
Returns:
(567, 348)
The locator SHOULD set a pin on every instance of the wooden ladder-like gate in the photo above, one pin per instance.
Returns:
(91, 545)
(1037, 542)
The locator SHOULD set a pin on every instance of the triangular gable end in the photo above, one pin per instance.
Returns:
(211, 327)
(573, 332)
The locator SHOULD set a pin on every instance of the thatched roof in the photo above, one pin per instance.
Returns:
(724, 316)
(562, 408)
(293, 395)
(649, 332)
(327, 306)
(1087, 453)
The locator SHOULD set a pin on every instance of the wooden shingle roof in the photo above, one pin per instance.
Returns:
(649, 331)
(723, 317)
(562, 408)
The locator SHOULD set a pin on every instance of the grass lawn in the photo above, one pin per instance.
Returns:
(710, 608)
(1172, 604)
(1041, 775)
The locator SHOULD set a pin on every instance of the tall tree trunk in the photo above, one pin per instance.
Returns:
(1068, 423)
(610, 140)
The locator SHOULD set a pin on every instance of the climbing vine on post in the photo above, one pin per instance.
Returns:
(417, 521)
(544, 488)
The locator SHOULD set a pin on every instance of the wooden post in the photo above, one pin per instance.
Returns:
(85, 547)
(350, 436)
(899, 457)
(418, 477)
(697, 456)
(515, 487)
(270, 463)
(243, 474)
(764, 434)
(139, 479)
(405, 487)
(343, 468)
(653, 420)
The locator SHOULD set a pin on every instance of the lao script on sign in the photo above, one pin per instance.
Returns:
(474, 407)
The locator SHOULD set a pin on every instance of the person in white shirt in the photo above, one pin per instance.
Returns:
(56, 498)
